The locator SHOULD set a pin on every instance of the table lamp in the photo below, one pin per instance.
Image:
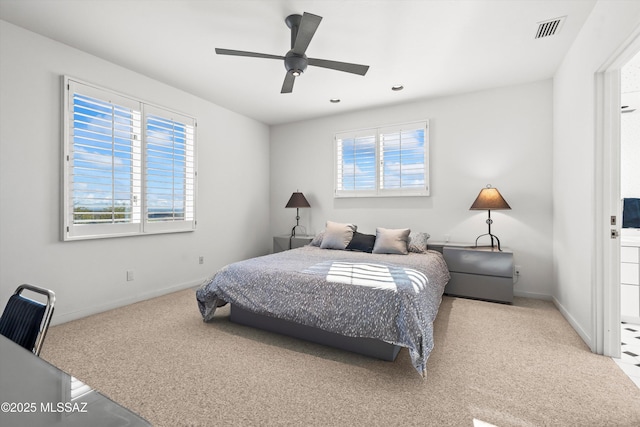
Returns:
(297, 201)
(489, 199)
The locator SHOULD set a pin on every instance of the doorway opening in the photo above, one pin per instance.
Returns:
(606, 296)
(629, 359)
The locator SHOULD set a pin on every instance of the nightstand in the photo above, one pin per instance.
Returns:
(480, 272)
(286, 242)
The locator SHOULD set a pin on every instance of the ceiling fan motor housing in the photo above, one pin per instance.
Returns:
(295, 63)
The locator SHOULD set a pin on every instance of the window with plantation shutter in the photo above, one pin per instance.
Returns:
(129, 167)
(169, 169)
(384, 161)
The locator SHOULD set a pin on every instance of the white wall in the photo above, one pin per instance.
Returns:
(501, 137)
(90, 276)
(574, 186)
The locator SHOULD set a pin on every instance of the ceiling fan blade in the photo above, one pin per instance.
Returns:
(287, 86)
(340, 66)
(308, 26)
(243, 53)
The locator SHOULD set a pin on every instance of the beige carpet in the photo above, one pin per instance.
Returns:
(519, 365)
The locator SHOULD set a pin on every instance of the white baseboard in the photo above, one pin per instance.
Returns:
(574, 324)
(533, 295)
(60, 318)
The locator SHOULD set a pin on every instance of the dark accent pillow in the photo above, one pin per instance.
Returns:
(361, 242)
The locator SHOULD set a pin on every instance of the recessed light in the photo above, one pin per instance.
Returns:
(397, 87)
(334, 100)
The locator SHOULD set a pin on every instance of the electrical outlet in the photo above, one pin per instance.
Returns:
(129, 275)
(517, 270)
(201, 260)
(446, 238)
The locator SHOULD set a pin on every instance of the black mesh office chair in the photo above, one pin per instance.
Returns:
(26, 321)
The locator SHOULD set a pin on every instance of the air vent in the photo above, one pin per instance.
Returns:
(550, 27)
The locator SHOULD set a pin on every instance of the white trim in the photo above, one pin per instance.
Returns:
(606, 295)
(576, 325)
(532, 295)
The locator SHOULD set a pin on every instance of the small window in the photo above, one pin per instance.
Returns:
(385, 161)
(129, 167)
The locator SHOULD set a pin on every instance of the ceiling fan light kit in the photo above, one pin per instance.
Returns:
(303, 27)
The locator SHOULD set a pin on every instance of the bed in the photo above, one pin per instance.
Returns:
(370, 303)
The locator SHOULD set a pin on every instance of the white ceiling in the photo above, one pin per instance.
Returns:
(432, 47)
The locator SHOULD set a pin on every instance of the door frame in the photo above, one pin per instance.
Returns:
(607, 200)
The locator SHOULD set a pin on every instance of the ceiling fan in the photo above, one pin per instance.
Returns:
(295, 61)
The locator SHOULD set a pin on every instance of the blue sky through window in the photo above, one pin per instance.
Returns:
(403, 159)
(358, 163)
(166, 168)
(103, 151)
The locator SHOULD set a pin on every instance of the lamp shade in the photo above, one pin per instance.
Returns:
(297, 200)
(489, 199)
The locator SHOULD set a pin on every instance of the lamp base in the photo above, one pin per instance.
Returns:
(493, 236)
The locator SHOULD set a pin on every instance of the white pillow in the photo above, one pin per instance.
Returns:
(392, 241)
(337, 235)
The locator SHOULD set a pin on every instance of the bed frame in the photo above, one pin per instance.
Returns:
(367, 346)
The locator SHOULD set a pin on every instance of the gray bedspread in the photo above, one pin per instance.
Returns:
(393, 298)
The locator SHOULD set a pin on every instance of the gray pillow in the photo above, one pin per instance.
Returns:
(392, 241)
(418, 242)
(317, 240)
(337, 235)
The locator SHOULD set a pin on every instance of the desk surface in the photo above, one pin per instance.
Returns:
(35, 393)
